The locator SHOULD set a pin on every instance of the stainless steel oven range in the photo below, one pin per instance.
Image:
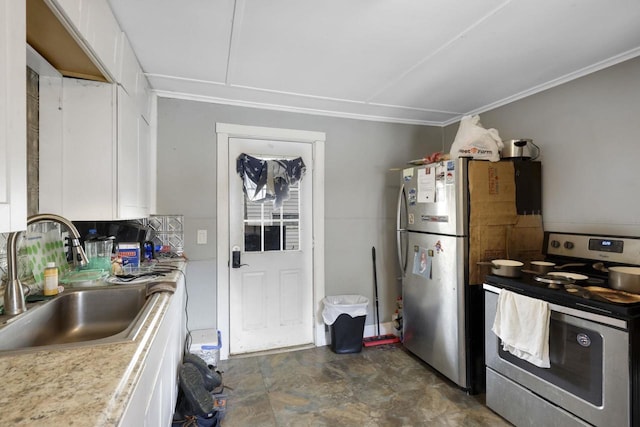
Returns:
(594, 339)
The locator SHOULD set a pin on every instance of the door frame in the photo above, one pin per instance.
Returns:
(225, 131)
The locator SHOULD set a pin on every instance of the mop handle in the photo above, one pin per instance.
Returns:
(375, 285)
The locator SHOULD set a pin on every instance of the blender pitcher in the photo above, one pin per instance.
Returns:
(99, 253)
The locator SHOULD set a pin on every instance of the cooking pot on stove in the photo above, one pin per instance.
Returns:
(622, 278)
(541, 267)
(504, 267)
(520, 148)
(625, 279)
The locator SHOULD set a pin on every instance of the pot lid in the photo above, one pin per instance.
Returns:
(507, 263)
(553, 279)
(572, 276)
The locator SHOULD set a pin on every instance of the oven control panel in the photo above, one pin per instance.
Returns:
(623, 250)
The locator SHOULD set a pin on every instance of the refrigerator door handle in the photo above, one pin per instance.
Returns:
(402, 251)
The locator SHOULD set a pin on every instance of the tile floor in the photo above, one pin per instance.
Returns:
(381, 386)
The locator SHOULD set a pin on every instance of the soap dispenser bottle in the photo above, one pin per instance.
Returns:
(51, 279)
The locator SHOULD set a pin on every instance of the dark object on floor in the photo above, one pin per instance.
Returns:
(346, 334)
(201, 402)
(184, 416)
(212, 379)
(378, 339)
(198, 400)
(211, 420)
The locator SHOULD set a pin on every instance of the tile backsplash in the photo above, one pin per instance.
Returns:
(168, 231)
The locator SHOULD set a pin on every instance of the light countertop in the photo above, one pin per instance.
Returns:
(82, 386)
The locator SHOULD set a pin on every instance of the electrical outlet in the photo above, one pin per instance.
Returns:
(202, 237)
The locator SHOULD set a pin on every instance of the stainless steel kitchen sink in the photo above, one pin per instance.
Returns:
(77, 318)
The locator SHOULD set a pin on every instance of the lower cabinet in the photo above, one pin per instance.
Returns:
(154, 398)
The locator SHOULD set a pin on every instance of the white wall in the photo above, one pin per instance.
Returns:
(360, 193)
(589, 133)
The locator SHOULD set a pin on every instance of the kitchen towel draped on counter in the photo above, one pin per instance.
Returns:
(522, 323)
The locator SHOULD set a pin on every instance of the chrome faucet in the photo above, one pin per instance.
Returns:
(13, 291)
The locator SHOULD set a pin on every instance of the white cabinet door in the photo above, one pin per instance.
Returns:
(105, 155)
(133, 156)
(87, 182)
(132, 78)
(13, 116)
(103, 34)
(144, 170)
(128, 66)
(143, 92)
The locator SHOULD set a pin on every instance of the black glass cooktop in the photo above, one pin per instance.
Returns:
(527, 285)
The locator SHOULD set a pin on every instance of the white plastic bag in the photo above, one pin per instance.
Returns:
(472, 140)
(334, 306)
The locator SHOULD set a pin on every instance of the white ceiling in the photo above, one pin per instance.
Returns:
(410, 61)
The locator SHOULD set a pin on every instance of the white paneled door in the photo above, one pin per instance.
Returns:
(271, 271)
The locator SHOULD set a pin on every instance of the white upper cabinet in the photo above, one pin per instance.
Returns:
(133, 158)
(95, 27)
(143, 92)
(128, 66)
(85, 181)
(102, 33)
(106, 146)
(13, 122)
(104, 154)
(132, 78)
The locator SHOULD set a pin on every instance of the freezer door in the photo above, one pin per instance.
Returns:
(434, 303)
(436, 197)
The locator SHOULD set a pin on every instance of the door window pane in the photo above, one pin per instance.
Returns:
(273, 229)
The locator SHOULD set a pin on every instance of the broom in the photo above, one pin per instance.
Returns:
(378, 339)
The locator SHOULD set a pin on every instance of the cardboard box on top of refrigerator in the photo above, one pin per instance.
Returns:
(492, 193)
(492, 213)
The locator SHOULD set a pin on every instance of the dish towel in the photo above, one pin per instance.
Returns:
(522, 323)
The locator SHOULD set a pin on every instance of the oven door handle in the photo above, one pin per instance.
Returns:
(606, 320)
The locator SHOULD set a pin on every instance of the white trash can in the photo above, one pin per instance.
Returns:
(206, 344)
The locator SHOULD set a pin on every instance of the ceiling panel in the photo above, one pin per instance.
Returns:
(181, 39)
(337, 49)
(512, 52)
(403, 60)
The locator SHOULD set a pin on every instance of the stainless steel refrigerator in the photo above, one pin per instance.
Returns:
(442, 314)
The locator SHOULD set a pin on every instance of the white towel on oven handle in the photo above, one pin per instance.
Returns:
(522, 323)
